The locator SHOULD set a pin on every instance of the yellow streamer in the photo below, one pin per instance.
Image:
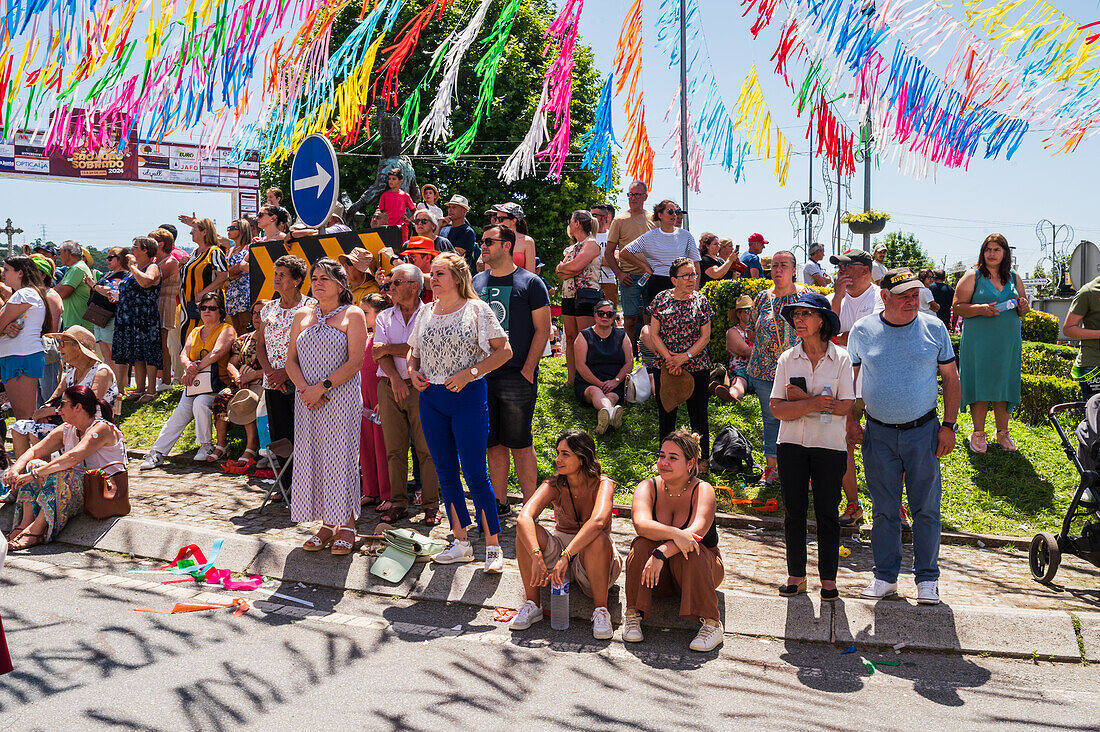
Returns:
(756, 121)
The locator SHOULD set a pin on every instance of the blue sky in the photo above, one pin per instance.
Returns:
(950, 214)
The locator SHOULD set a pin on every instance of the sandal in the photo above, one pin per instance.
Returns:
(132, 396)
(369, 501)
(249, 454)
(723, 393)
(17, 543)
(432, 519)
(315, 543)
(342, 547)
(977, 441)
(1005, 441)
(383, 506)
(216, 454)
(392, 515)
(418, 498)
(146, 398)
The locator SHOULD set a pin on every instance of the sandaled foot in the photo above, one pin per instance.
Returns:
(384, 506)
(323, 538)
(977, 441)
(132, 396)
(432, 519)
(1005, 441)
(369, 501)
(248, 454)
(25, 540)
(392, 515)
(342, 546)
(216, 454)
(146, 398)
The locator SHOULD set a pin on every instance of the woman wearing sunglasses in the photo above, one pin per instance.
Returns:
(604, 359)
(655, 250)
(237, 294)
(105, 295)
(205, 359)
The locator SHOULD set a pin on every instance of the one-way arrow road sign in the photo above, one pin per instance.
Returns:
(314, 180)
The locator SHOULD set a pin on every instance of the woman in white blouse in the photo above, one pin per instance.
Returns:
(455, 341)
(812, 393)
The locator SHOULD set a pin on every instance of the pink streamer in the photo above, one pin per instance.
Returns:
(559, 81)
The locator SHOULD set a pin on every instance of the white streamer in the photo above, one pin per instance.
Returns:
(521, 163)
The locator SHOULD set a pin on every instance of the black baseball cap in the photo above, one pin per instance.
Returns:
(853, 256)
(899, 280)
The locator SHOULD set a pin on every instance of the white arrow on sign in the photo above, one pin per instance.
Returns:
(318, 181)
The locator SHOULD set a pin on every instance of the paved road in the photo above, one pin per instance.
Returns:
(84, 660)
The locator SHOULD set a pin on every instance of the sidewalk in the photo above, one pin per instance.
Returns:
(990, 602)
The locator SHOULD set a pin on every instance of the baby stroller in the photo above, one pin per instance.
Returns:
(1047, 549)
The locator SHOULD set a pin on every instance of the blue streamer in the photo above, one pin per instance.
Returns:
(599, 139)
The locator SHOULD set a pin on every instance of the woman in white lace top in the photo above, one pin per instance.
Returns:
(455, 341)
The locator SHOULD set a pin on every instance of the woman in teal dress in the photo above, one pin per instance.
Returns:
(989, 352)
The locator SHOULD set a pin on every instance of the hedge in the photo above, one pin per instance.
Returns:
(1039, 393)
(1040, 327)
(723, 295)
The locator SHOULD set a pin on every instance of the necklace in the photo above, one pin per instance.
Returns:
(664, 485)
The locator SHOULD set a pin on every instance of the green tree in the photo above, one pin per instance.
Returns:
(546, 203)
(903, 250)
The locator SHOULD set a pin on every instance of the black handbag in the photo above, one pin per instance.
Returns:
(587, 297)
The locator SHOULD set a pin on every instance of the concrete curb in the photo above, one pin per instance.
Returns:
(1047, 634)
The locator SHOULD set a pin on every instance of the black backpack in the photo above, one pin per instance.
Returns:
(732, 452)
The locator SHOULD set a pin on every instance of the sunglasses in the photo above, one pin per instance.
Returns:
(112, 256)
(422, 221)
(490, 240)
(233, 227)
(605, 313)
(211, 308)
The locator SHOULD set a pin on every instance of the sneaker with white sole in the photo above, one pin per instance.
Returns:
(457, 552)
(494, 560)
(928, 592)
(203, 453)
(529, 614)
(632, 627)
(153, 460)
(617, 416)
(709, 637)
(601, 624)
(603, 419)
(162, 387)
(879, 590)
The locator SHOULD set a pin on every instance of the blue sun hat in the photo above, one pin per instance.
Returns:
(814, 301)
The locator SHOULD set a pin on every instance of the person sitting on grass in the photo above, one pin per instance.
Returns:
(676, 550)
(604, 360)
(731, 383)
(51, 492)
(579, 547)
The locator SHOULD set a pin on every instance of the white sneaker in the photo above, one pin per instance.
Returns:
(162, 387)
(879, 589)
(709, 637)
(632, 627)
(601, 624)
(617, 416)
(928, 592)
(203, 453)
(494, 560)
(153, 460)
(529, 614)
(459, 551)
(603, 419)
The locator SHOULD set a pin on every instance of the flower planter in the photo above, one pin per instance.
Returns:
(867, 227)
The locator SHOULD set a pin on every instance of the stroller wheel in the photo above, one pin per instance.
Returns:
(1045, 556)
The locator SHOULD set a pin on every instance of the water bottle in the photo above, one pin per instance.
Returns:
(559, 606)
(372, 415)
(827, 417)
(643, 280)
(1006, 305)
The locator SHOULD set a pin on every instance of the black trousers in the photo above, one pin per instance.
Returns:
(798, 466)
(696, 409)
(280, 421)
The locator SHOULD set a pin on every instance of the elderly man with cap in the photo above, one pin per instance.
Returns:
(511, 214)
(425, 224)
(812, 273)
(457, 231)
(854, 297)
(878, 267)
(897, 356)
(751, 258)
(359, 264)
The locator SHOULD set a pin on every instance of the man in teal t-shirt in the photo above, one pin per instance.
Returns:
(73, 289)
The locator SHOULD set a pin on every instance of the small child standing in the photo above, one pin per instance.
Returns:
(397, 203)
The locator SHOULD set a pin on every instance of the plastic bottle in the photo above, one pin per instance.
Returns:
(826, 417)
(643, 280)
(1006, 305)
(372, 415)
(559, 606)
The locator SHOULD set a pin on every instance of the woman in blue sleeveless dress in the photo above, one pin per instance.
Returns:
(324, 357)
(989, 352)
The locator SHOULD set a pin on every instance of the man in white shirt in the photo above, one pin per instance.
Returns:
(878, 266)
(812, 273)
(855, 296)
(609, 283)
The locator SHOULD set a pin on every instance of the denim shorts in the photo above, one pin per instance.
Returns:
(104, 333)
(632, 298)
(511, 409)
(12, 367)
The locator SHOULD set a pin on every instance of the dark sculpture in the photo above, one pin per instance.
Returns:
(390, 128)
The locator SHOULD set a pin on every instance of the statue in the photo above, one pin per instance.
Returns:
(390, 128)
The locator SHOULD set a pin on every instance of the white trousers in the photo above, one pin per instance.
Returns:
(197, 408)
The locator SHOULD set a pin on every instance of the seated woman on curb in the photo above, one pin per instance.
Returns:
(604, 360)
(579, 547)
(51, 493)
(676, 551)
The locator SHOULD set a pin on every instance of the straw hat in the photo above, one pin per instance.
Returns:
(243, 405)
(359, 258)
(81, 336)
(675, 389)
(743, 303)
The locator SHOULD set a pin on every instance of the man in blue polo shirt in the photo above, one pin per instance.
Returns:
(751, 258)
(899, 354)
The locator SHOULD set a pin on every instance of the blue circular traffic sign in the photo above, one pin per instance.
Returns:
(314, 180)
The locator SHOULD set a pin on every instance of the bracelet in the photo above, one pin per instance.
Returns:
(658, 555)
(568, 556)
(537, 552)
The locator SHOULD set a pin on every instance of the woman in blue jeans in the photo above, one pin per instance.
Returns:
(772, 336)
(455, 341)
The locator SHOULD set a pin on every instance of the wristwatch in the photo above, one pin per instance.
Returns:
(657, 554)
(327, 384)
(474, 371)
(953, 426)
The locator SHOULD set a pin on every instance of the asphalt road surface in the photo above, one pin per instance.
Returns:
(84, 660)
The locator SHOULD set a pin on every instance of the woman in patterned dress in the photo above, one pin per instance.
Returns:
(772, 335)
(237, 293)
(579, 270)
(323, 360)
(137, 320)
(455, 341)
(680, 331)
